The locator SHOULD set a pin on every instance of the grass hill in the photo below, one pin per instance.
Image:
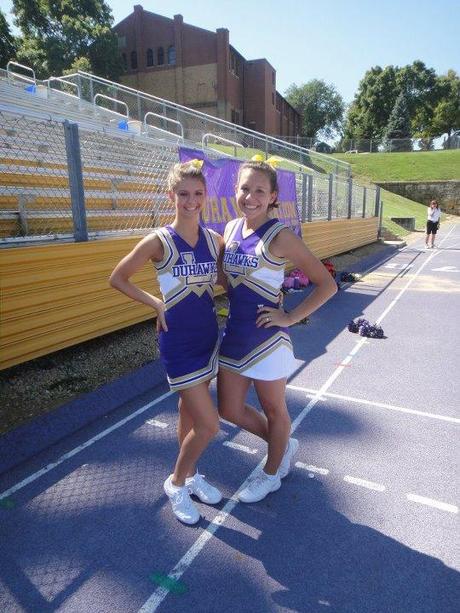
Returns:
(413, 166)
(410, 166)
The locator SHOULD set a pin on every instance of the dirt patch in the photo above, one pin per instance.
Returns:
(36, 387)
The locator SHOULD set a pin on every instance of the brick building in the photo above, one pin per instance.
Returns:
(201, 70)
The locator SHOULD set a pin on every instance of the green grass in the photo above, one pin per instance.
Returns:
(381, 167)
(398, 206)
(414, 166)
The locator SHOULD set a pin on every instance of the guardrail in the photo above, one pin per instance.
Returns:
(11, 74)
(206, 137)
(196, 124)
(166, 119)
(119, 102)
(68, 83)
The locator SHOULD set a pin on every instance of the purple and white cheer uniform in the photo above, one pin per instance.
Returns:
(254, 279)
(189, 349)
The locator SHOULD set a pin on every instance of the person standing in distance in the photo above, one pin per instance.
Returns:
(432, 223)
(256, 345)
(185, 256)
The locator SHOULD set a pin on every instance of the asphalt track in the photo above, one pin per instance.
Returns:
(367, 521)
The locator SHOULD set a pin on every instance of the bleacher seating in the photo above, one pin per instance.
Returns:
(34, 189)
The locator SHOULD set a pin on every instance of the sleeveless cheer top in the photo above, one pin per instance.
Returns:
(255, 277)
(186, 275)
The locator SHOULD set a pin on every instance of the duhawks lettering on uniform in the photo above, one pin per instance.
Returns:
(241, 259)
(199, 269)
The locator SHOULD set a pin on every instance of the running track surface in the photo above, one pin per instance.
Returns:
(367, 520)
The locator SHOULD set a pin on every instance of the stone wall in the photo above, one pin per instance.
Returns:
(447, 193)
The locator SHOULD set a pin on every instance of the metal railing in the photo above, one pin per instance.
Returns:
(60, 80)
(12, 74)
(196, 124)
(98, 107)
(166, 120)
(205, 138)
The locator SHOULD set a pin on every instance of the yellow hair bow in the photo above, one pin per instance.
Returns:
(274, 161)
(198, 164)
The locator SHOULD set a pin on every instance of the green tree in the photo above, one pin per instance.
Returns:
(7, 42)
(56, 33)
(370, 110)
(399, 126)
(320, 105)
(446, 114)
(374, 101)
(422, 93)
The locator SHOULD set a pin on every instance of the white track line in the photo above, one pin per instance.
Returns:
(380, 405)
(157, 423)
(239, 447)
(74, 452)
(411, 280)
(312, 469)
(161, 593)
(370, 485)
(443, 506)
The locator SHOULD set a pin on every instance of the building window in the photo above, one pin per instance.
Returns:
(149, 57)
(133, 60)
(235, 116)
(125, 61)
(160, 56)
(171, 54)
(273, 99)
(234, 64)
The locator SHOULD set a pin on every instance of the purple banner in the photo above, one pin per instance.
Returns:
(221, 205)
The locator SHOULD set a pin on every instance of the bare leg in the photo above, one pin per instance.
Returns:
(184, 425)
(271, 395)
(196, 408)
(232, 389)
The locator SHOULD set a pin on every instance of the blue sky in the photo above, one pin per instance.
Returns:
(336, 41)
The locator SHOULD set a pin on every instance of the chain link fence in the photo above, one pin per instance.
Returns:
(34, 193)
(61, 181)
(373, 145)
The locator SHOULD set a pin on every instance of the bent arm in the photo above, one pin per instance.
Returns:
(288, 245)
(149, 248)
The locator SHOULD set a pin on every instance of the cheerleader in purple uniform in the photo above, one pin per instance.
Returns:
(184, 255)
(256, 345)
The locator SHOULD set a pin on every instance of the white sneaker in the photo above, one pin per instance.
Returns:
(259, 486)
(202, 489)
(291, 450)
(182, 505)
